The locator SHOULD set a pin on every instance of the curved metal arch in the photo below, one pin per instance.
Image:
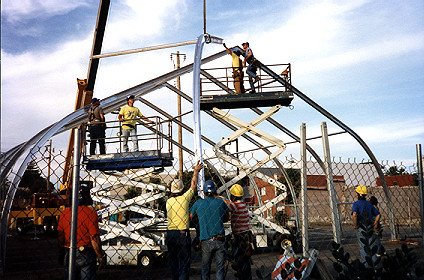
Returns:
(339, 123)
(73, 120)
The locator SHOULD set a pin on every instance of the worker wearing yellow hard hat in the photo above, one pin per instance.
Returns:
(236, 190)
(365, 215)
(362, 190)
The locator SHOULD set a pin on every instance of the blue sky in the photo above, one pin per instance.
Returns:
(363, 61)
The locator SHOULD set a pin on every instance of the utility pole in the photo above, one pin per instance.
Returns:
(180, 130)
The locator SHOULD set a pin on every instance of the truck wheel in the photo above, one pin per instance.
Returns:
(145, 259)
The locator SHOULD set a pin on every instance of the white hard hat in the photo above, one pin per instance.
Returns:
(177, 186)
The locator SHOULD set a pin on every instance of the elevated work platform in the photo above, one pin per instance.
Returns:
(248, 100)
(130, 160)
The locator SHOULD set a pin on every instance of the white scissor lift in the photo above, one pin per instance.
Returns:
(246, 170)
(138, 241)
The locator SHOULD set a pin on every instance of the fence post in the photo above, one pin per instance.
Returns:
(330, 184)
(74, 216)
(420, 188)
(303, 179)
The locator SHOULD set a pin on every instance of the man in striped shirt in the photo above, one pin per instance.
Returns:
(241, 231)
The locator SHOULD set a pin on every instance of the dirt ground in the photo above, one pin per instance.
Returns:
(34, 256)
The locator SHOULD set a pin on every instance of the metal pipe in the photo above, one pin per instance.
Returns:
(303, 179)
(196, 110)
(330, 184)
(158, 47)
(420, 188)
(74, 217)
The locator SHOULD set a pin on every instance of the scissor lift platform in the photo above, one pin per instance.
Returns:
(247, 100)
(129, 160)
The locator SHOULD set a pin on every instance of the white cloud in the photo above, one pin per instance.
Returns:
(411, 131)
(16, 10)
(134, 22)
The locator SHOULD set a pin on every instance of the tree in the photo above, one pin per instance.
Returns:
(394, 170)
(294, 176)
(32, 181)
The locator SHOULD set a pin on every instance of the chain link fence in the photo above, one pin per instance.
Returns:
(131, 205)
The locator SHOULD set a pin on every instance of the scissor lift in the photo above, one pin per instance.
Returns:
(279, 96)
(138, 241)
(120, 161)
(268, 95)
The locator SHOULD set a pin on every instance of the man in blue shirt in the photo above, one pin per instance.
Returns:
(359, 207)
(211, 213)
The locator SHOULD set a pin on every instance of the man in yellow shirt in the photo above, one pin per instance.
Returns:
(237, 70)
(128, 116)
(178, 237)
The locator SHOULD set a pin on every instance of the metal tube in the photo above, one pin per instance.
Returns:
(74, 217)
(145, 49)
(303, 179)
(330, 184)
(196, 109)
(420, 188)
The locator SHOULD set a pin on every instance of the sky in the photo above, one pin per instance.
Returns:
(363, 61)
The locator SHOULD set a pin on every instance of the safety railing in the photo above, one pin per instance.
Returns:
(223, 75)
(149, 136)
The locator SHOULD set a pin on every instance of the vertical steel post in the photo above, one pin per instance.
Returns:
(420, 188)
(330, 184)
(303, 179)
(196, 109)
(201, 40)
(74, 217)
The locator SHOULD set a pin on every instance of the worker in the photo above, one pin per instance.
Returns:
(211, 213)
(363, 213)
(378, 230)
(237, 70)
(242, 236)
(96, 127)
(178, 238)
(128, 116)
(251, 69)
(87, 238)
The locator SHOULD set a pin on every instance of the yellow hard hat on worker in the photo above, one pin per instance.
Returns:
(236, 190)
(361, 189)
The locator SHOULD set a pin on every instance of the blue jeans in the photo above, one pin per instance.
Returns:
(85, 264)
(179, 254)
(373, 241)
(209, 249)
(132, 134)
(251, 72)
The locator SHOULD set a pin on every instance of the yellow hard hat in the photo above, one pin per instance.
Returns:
(236, 190)
(361, 189)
